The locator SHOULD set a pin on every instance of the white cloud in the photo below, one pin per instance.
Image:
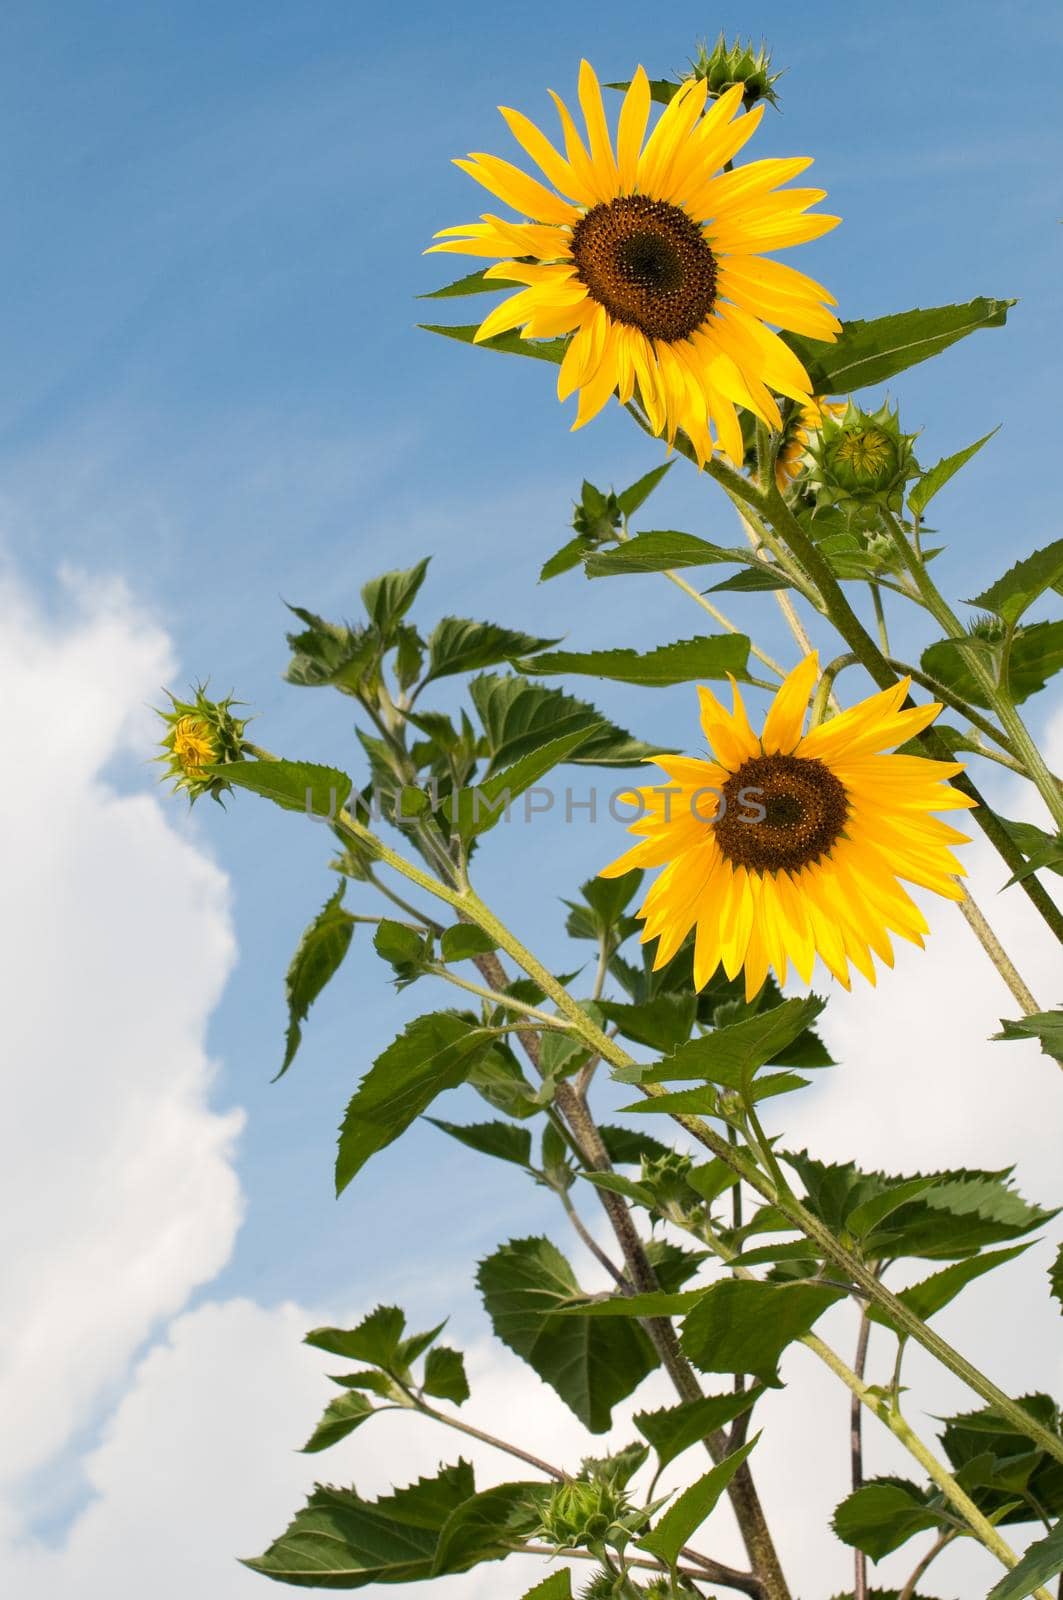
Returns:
(117, 1195)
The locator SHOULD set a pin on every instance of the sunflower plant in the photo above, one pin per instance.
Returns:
(787, 846)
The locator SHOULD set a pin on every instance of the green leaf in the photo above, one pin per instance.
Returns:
(519, 717)
(458, 645)
(377, 1338)
(996, 1462)
(511, 344)
(472, 283)
(317, 958)
(636, 494)
(652, 1303)
(661, 551)
(606, 900)
(931, 1294)
(883, 1515)
(570, 555)
(477, 810)
(663, 1023)
(627, 1146)
(616, 1183)
(760, 577)
(938, 476)
(340, 1541)
(463, 941)
(388, 598)
(592, 1365)
(732, 1055)
(1044, 1025)
(871, 352)
(402, 947)
(1055, 1277)
(488, 1526)
(864, 1218)
(1044, 851)
(331, 653)
(742, 1325)
(501, 1139)
(677, 1428)
(694, 1505)
(444, 1375)
(1042, 1561)
(713, 656)
(1023, 583)
(1036, 655)
(558, 1586)
(434, 1053)
(319, 792)
(342, 1416)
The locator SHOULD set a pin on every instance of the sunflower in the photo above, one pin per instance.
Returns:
(795, 445)
(792, 845)
(650, 256)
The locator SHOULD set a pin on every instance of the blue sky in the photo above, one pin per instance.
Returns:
(213, 386)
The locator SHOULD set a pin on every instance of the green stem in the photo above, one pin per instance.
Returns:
(1021, 739)
(880, 619)
(962, 1503)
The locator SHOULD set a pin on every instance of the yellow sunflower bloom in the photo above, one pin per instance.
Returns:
(808, 420)
(791, 845)
(652, 258)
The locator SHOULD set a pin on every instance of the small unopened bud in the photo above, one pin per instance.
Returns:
(580, 1513)
(201, 735)
(861, 460)
(725, 65)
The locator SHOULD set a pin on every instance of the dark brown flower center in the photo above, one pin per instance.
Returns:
(781, 812)
(648, 264)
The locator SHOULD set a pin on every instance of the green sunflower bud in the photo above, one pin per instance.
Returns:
(582, 1513)
(726, 64)
(861, 460)
(201, 734)
(666, 1176)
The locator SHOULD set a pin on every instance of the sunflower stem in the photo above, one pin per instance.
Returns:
(824, 694)
(996, 692)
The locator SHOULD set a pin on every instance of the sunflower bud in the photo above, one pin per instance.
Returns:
(862, 459)
(666, 1177)
(726, 64)
(201, 735)
(579, 1513)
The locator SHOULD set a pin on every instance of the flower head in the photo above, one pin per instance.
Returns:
(861, 459)
(201, 735)
(651, 257)
(788, 845)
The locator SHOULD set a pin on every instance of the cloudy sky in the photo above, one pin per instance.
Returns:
(214, 399)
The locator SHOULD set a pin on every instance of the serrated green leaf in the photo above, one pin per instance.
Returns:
(330, 653)
(997, 1462)
(471, 283)
(341, 1417)
(883, 1515)
(463, 941)
(501, 1139)
(1055, 1277)
(1023, 583)
(444, 1375)
(459, 645)
(692, 1508)
(1036, 655)
(866, 1216)
(664, 1023)
(399, 945)
(519, 717)
(677, 1428)
(938, 476)
(871, 352)
(319, 792)
(377, 1338)
(592, 1365)
(340, 1541)
(477, 810)
(931, 1294)
(317, 958)
(627, 1146)
(510, 344)
(1044, 851)
(1044, 1025)
(636, 494)
(755, 580)
(488, 1526)
(713, 656)
(1042, 1561)
(434, 1053)
(388, 598)
(558, 1586)
(570, 555)
(742, 1325)
(616, 1183)
(731, 1056)
(661, 551)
